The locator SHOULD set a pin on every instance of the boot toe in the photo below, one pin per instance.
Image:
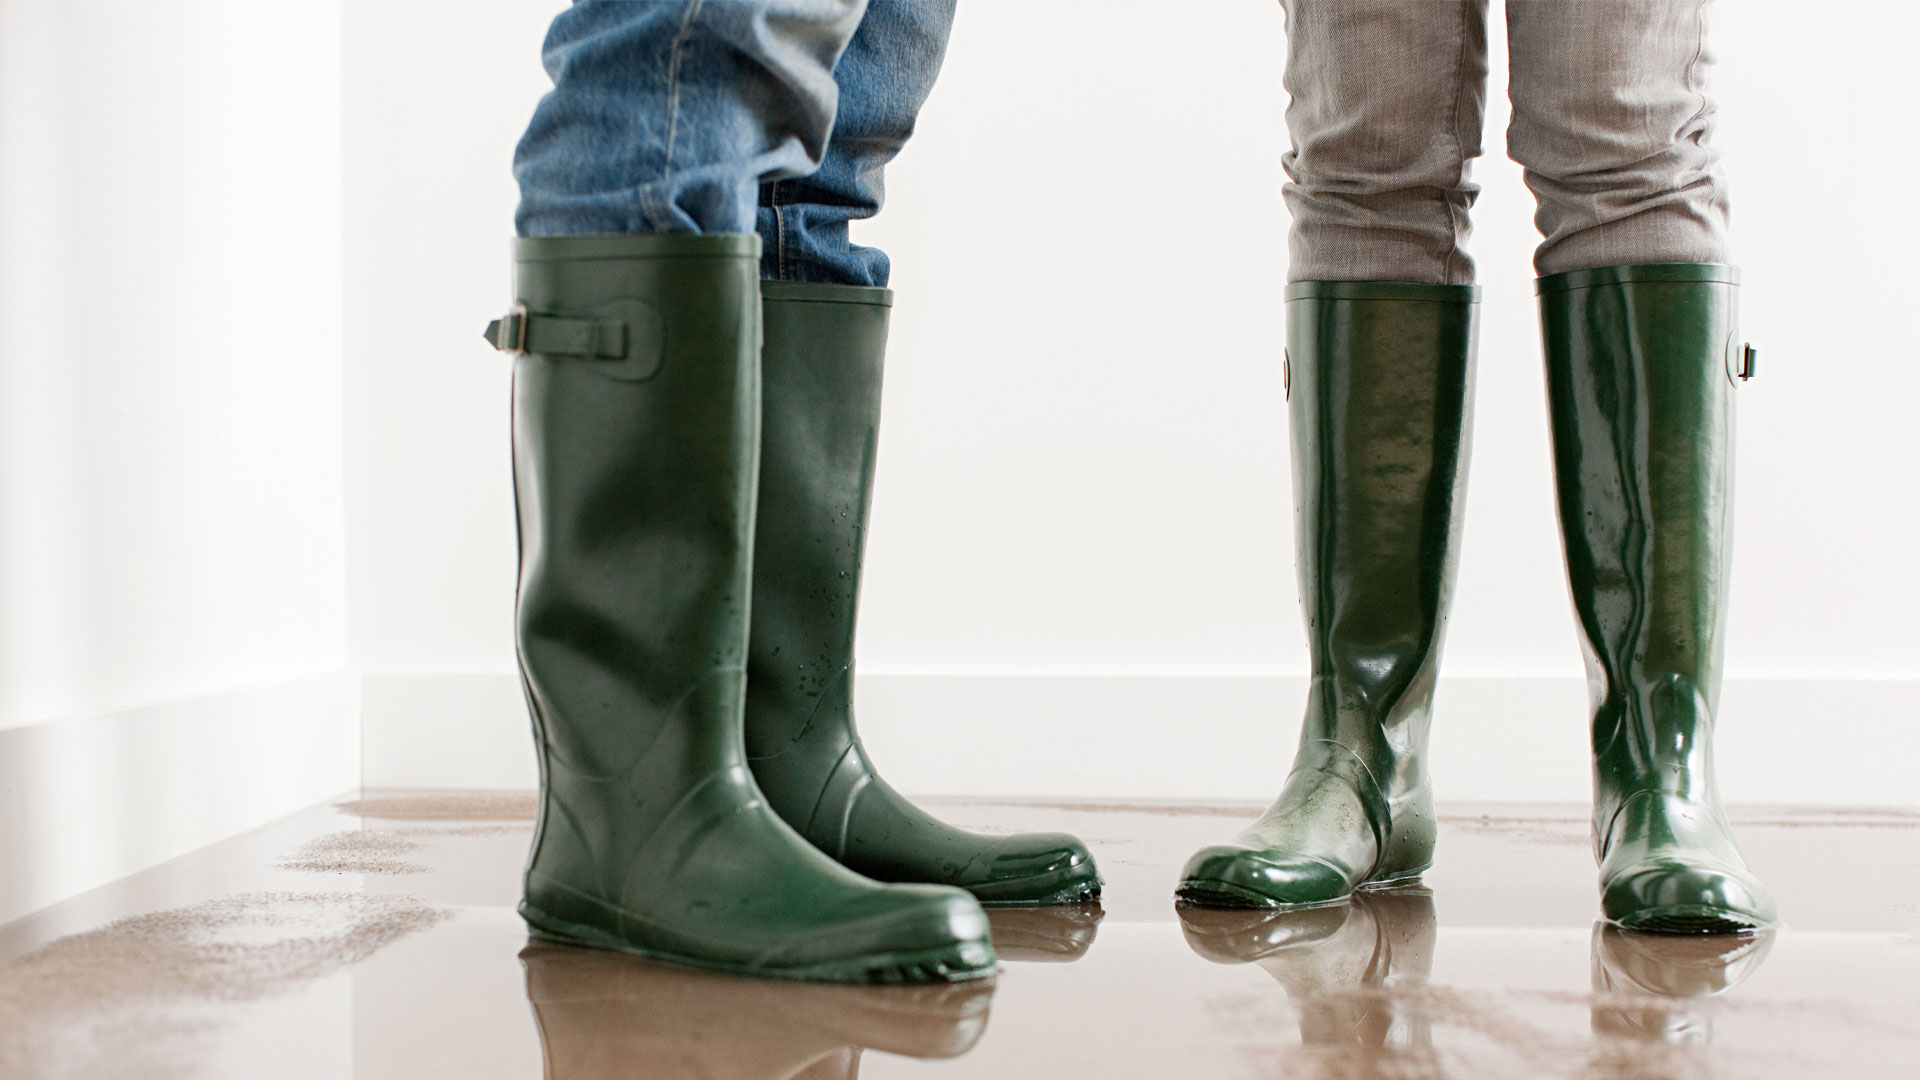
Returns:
(1228, 875)
(1034, 869)
(902, 934)
(1683, 898)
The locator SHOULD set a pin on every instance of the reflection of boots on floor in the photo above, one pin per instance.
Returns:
(820, 426)
(1059, 934)
(1661, 986)
(604, 1016)
(1356, 973)
(1641, 365)
(1379, 396)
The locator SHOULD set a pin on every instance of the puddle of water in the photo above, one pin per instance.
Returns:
(138, 996)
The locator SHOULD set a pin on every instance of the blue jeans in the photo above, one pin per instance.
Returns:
(698, 116)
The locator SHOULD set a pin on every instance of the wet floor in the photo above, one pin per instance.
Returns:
(377, 939)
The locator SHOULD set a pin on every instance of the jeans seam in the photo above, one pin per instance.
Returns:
(675, 52)
(1459, 145)
(779, 233)
(1693, 65)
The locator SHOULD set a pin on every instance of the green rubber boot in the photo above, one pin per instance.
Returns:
(1380, 389)
(636, 417)
(821, 371)
(1641, 363)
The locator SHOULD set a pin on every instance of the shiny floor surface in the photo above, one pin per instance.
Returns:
(377, 939)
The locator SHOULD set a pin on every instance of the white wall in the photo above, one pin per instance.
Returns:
(437, 93)
(172, 585)
(1083, 463)
(170, 439)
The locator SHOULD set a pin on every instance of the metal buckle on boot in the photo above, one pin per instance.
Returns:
(516, 322)
(1742, 359)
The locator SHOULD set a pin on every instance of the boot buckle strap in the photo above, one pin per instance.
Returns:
(520, 331)
(508, 333)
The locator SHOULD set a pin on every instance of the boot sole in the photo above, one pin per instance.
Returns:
(960, 962)
(1209, 893)
(1689, 919)
(1069, 886)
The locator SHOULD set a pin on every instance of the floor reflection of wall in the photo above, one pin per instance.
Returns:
(450, 1003)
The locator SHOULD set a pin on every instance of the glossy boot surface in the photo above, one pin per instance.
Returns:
(821, 368)
(636, 439)
(1380, 389)
(1641, 364)
(607, 1017)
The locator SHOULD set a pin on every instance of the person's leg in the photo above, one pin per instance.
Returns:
(884, 79)
(1613, 127)
(1385, 117)
(636, 445)
(1613, 123)
(826, 332)
(1387, 100)
(668, 115)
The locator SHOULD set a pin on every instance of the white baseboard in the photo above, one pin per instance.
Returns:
(1785, 741)
(140, 786)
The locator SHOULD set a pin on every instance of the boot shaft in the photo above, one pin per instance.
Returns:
(821, 373)
(820, 390)
(1640, 392)
(634, 479)
(1380, 390)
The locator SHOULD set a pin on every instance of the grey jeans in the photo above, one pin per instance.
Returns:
(1612, 124)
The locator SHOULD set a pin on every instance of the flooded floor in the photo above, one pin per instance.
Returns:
(376, 939)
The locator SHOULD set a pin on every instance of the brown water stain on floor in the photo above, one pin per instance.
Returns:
(356, 851)
(136, 997)
(448, 806)
(379, 851)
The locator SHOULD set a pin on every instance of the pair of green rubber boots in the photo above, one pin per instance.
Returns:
(1641, 364)
(691, 507)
